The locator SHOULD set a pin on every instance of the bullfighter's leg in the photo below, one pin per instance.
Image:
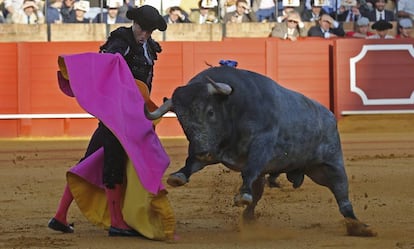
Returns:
(257, 191)
(334, 177)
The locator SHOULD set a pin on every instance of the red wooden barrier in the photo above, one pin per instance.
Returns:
(28, 77)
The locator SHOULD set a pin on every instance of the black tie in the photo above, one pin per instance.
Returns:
(381, 16)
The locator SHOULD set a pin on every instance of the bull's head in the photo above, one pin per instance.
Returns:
(212, 88)
(200, 109)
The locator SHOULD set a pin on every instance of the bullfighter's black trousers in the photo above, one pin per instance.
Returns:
(114, 155)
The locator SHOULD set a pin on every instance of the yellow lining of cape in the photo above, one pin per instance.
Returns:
(151, 215)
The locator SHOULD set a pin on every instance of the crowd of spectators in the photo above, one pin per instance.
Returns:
(325, 16)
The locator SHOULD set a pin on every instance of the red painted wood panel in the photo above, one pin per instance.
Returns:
(8, 78)
(383, 73)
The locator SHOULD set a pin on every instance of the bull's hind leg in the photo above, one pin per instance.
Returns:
(334, 177)
(336, 180)
(257, 191)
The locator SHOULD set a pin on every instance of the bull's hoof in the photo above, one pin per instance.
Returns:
(177, 179)
(357, 228)
(243, 199)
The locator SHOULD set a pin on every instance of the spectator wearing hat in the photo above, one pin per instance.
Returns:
(405, 9)
(327, 28)
(28, 14)
(382, 27)
(112, 15)
(291, 28)
(405, 28)
(53, 11)
(380, 13)
(330, 7)
(139, 50)
(81, 7)
(313, 14)
(243, 13)
(11, 6)
(205, 13)
(360, 29)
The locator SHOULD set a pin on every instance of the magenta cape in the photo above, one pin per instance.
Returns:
(104, 87)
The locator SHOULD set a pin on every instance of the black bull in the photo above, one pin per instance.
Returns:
(251, 124)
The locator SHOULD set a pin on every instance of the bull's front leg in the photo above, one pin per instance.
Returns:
(257, 191)
(258, 156)
(182, 176)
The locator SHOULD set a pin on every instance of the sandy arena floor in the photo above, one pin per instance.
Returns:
(379, 158)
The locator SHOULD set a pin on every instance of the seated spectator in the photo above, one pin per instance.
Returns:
(291, 28)
(265, 10)
(243, 13)
(405, 28)
(365, 6)
(11, 6)
(327, 28)
(204, 14)
(81, 7)
(286, 9)
(351, 14)
(313, 14)
(68, 11)
(405, 9)
(111, 16)
(2, 9)
(130, 4)
(382, 28)
(227, 6)
(176, 15)
(28, 14)
(360, 29)
(331, 8)
(53, 11)
(380, 13)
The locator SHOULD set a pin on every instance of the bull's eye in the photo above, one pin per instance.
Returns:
(210, 112)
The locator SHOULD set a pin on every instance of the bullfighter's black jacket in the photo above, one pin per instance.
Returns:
(122, 41)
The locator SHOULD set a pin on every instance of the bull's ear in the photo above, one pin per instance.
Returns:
(219, 88)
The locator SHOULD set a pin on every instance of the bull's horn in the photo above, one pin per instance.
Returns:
(163, 109)
(219, 88)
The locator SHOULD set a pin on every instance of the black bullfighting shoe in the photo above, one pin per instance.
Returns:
(59, 226)
(113, 231)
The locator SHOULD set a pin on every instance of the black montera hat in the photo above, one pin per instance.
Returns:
(382, 25)
(147, 17)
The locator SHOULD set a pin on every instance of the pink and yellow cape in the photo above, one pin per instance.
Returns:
(104, 87)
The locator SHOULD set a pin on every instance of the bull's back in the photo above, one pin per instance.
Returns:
(262, 100)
